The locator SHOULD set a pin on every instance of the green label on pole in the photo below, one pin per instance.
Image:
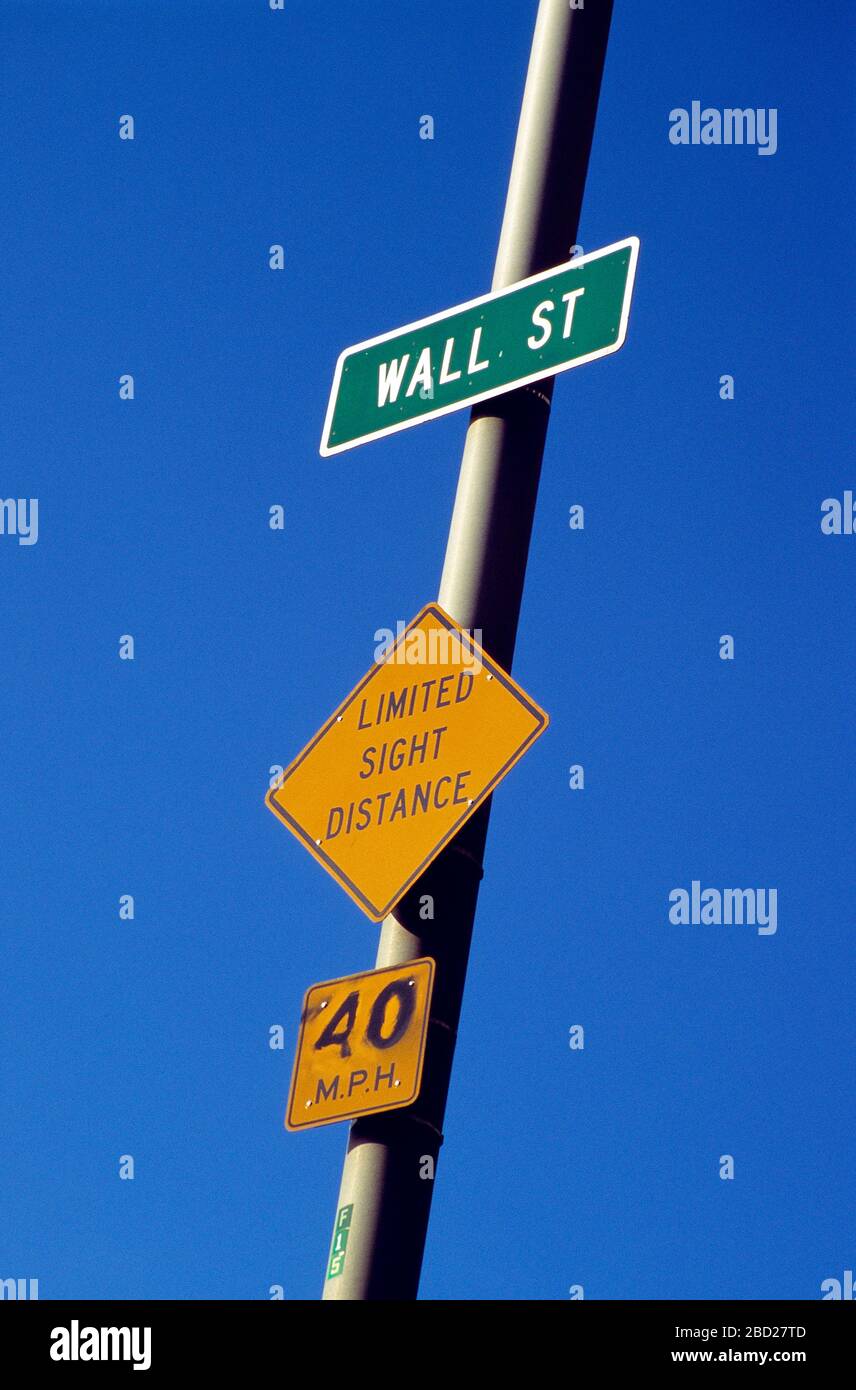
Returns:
(534, 329)
(340, 1241)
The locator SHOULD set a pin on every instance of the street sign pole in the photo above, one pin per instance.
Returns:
(388, 1178)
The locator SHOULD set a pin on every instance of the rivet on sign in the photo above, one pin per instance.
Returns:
(470, 802)
(338, 718)
(411, 983)
(398, 1083)
(489, 676)
(307, 1105)
(324, 1003)
(317, 842)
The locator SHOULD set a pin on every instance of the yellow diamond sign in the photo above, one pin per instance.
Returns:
(399, 767)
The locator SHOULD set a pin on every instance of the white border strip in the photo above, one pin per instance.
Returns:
(632, 242)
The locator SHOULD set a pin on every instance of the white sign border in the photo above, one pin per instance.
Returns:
(632, 242)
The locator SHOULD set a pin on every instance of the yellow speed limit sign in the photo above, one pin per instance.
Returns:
(361, 1045)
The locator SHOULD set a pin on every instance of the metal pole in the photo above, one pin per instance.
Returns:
(388, 1173)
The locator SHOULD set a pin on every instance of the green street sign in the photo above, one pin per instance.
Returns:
(534, 329)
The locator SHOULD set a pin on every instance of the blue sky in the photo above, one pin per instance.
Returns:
(702, 517)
